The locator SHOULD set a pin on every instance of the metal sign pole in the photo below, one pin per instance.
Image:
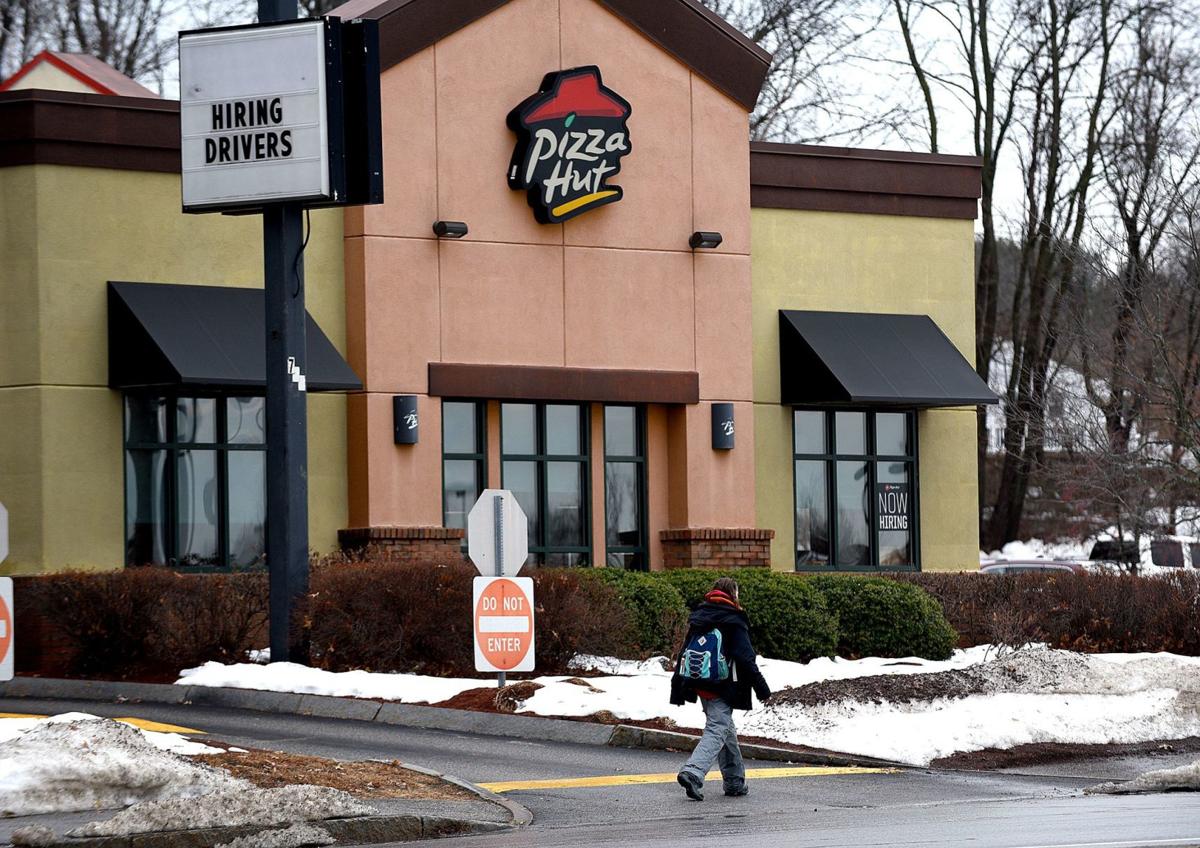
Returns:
(287, 413)
(498, 505)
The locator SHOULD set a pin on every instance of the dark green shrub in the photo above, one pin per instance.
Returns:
(788, 619)
(659, 616)
(878, 617)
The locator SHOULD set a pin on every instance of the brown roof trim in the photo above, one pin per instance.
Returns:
(532, 382)
(39, 127)
(840, 179)
(684, 28)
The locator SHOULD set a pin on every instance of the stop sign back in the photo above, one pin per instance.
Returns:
(504, 624)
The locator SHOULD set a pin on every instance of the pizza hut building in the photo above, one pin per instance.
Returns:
(585, 285)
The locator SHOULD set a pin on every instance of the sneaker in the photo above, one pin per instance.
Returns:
(691, 785)
(738, 792)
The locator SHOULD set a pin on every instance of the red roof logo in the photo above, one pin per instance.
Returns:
(571, 137)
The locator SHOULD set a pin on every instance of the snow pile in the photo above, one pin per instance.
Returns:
(1181, 779)
(80, 762)
(292, 677)
(296, 836)
(11, 728)
(1039, 549)
(1028, 697)
(908, 710)
(231, 807)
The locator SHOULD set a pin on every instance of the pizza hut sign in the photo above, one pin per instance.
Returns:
(571, 136)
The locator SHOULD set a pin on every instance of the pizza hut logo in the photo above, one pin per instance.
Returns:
(571, 136)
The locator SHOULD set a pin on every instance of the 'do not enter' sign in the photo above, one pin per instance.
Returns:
(503, 624)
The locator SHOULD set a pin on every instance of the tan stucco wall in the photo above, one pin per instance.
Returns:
(867, 263)
(64, 233)
(617, 287)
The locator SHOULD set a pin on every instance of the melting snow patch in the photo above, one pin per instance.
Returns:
(292, 677)
(296, 836)
(231, 808)
(80, 762)
(1181, 779)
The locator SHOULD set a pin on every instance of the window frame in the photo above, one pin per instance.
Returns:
(173, 447)
(481, 456)
(643, 494)
(541, 459)
(871, 458)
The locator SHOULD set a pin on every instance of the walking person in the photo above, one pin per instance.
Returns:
(717, 666)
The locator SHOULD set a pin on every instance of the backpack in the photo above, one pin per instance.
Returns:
(703, 659)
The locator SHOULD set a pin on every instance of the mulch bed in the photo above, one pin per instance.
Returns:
(885, 688)
(1040, 753)
(367, 779)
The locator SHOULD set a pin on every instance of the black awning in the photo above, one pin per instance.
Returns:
(879, 360)
(204, 337)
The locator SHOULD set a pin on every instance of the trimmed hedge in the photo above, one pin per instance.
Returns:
(789, 620)
(878, 617)
(1080, 612)
(659, 616)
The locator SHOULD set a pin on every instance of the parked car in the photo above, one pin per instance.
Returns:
(1029, 566)
(1148, 554)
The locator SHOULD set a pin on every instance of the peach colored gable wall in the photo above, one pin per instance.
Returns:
(616, 287)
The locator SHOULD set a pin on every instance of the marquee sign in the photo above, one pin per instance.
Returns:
(260, 115)
(571, 137)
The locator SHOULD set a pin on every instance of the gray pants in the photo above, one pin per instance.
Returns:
(718, 744)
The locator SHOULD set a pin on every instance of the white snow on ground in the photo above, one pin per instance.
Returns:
(80, 762)
(231, 808)
(11, 728)
(1038, 549)
(292, 677)
(1060, 696)
(1183, 778)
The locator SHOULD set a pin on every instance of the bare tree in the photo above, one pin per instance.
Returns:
(808, 95)
(21, 25)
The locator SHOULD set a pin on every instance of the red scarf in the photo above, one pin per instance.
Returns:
(716, 596)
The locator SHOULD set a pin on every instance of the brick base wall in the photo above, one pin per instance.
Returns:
(406, 544)
(707, 547)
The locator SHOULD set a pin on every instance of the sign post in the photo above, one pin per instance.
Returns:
(498, 544)
(6, 606)
(287, 408)
(278, 118)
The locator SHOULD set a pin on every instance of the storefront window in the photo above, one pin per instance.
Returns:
(195, 481)
(624, 487)
(544, 463)
(864, 465)
(464, 458)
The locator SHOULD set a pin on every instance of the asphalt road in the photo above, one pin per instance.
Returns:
(918, 807)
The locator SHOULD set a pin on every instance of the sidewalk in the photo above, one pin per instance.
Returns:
(412, 715)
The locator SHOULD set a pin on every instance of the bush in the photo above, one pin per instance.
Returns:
(788, 619)
(1082, 612)
(138, 622)
(380, 614)
(878, 617)
(658, 614)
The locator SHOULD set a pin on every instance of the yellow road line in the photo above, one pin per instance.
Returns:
(144, 724)
(669, 777)
(159, 727)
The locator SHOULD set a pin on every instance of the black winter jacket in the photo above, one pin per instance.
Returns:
(735, 638)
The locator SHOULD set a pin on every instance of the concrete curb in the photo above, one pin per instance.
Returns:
(408, 715)
(357, 831)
